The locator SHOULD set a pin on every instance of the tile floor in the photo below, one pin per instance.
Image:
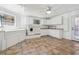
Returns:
(44, 46)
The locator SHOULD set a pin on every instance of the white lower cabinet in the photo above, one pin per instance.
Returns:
(32, 36)
(44, 32)
(10, 38)
(55, 33)
(14, 37)
(1, 38)
(0, 45)
(2, 41)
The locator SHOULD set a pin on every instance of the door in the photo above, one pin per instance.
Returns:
(75, 29)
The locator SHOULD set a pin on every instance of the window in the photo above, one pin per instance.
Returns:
(1, 20)
(76, 27)
(6, 20)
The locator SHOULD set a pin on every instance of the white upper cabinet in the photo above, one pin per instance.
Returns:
(55, 21)
(36, 21)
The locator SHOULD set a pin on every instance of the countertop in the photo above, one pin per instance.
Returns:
(8, 30)
(53, 28)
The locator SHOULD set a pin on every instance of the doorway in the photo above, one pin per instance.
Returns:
(75, 28)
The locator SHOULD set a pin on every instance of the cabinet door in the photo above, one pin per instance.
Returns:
(44, 31)
(2, 43)
(55, 21)
(1, 38)
(14, 37)
(56, 33)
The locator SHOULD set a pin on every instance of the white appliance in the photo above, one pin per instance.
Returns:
(33, 30)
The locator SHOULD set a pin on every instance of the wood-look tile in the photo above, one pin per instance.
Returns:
(44, 45)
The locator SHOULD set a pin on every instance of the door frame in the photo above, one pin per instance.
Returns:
(72, 26)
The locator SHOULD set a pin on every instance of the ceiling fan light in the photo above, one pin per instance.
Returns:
(48, 12)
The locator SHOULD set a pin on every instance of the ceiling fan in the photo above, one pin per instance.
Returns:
(49, 10)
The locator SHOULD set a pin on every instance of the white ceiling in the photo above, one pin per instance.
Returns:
(39, 10)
